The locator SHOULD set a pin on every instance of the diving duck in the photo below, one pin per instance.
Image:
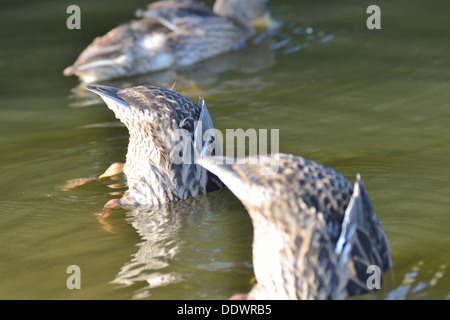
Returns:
(170, 33)
(167, 131)
(314, 235)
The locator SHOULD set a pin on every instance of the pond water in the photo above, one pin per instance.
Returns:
(375, 102)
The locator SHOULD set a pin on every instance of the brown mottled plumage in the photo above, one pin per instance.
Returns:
(155, 118)
(170, 33)
(314, 235)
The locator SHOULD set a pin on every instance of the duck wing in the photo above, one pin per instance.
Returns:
(362, 247)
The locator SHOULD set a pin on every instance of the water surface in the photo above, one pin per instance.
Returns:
(374, 102)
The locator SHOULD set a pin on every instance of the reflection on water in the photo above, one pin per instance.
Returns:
(165, 245)
(158, 229)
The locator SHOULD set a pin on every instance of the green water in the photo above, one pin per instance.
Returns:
(375, 102)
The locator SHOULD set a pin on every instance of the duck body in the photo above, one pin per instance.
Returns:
(162, 124)
(170, 33)
(314, 234)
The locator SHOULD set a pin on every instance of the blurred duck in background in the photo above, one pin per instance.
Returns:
(170, 33)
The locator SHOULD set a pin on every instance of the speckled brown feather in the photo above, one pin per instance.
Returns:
(166, 104)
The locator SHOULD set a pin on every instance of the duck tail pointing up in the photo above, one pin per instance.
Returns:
(107, 92)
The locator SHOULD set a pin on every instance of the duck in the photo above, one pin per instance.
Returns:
(170, 34)
(167, 131)
(315, 236)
